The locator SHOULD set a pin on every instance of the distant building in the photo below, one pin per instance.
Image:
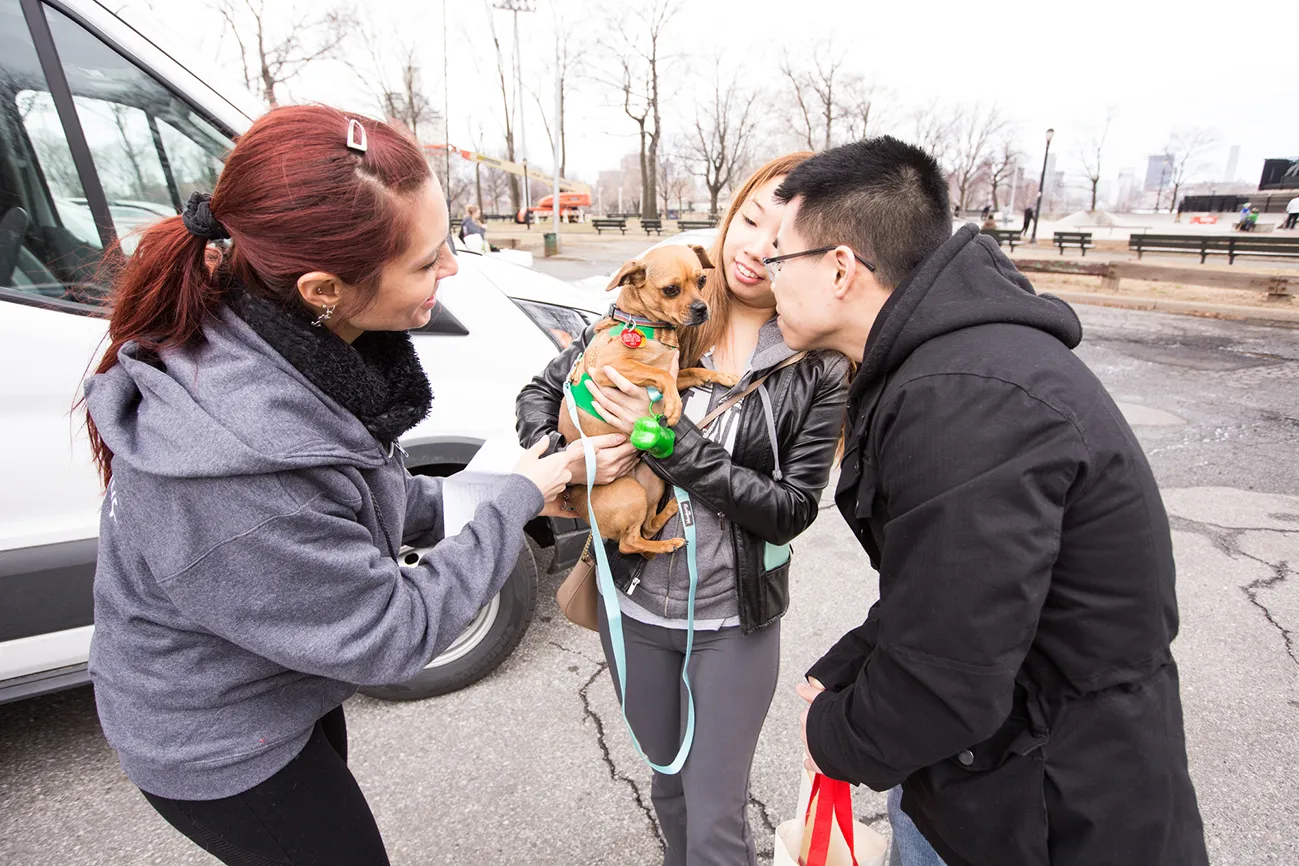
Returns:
(1233, 160)
(1159, 168)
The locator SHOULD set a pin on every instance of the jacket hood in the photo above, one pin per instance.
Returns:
(230, 406)
(967, 281)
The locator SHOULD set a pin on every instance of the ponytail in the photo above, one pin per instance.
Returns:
(162, 295)
(306, 188)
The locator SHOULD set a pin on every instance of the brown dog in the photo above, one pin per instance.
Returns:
(661, 291)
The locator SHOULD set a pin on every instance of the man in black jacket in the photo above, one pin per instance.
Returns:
(1015, 676)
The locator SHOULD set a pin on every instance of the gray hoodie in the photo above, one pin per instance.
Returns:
(662, 585)
(247, 579)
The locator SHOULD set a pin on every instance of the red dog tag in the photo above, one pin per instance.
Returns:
(633, 339)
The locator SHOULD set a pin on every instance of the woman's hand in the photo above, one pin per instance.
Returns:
(614, 458)
(623, 405)
(550, 474)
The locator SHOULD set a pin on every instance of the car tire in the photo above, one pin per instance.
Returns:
(487, 642)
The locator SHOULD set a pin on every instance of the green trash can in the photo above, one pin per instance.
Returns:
(552, 244)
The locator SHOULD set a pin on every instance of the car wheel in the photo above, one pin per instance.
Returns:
(481, 648)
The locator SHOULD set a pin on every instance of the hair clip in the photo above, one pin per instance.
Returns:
(356, 136)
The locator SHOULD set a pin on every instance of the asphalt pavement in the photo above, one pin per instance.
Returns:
(533, 765)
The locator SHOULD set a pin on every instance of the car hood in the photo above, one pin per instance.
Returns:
(525, 284)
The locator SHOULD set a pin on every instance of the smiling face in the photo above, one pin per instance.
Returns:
(751, 237)
(406, 294)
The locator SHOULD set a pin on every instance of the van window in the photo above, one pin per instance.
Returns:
(150, 149)
(49, 246)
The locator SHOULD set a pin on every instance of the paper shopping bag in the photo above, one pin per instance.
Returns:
(824, 833)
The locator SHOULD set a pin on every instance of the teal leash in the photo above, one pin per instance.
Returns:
(609, 597)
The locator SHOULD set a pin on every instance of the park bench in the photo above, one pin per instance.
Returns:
(1230, 246)
(1004, 236)
(655, 226)
(1082, 239)
(456, 223)
(602, 224)
(687, 225)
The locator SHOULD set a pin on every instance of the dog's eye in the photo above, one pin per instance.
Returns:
(702, 281)
(671, 291)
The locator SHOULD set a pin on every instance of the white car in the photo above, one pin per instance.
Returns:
(100, 131)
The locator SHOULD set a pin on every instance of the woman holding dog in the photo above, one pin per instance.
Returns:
(755, 476)
(245, 420)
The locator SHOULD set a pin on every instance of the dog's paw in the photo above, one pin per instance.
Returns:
(726, 380)
(672, 408)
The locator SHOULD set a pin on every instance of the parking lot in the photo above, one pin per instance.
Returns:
(532, 765)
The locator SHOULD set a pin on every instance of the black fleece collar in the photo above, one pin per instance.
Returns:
(378, 378)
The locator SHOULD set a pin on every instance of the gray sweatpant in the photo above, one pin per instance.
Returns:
(702, 809)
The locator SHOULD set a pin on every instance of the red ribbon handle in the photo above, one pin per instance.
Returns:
(833, 806)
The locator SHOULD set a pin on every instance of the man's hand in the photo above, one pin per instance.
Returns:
(808, 691)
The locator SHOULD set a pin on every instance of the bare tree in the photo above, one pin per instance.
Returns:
(815, 96)
(507, 113)
(674, 178)
(272, 54)
(1002, 166)
(860, 107)
(639, 44)
(407, 103)
(972, 147)
(723, 128)
(1092, 154)
(569, 67)
(935, 129)
(1185, 153)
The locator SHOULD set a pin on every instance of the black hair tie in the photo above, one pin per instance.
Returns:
(199, 221)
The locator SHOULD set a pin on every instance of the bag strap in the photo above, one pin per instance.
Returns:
(832, 800)
(752, 386)
(613, 612)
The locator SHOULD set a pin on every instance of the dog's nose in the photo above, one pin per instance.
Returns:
(699, 311)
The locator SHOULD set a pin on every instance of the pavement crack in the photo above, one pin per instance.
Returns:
(642, 802)
(764, 814)
(583, 656)
(1279, 574)
(1227, 540)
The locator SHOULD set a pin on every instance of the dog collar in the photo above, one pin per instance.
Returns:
(629, 319)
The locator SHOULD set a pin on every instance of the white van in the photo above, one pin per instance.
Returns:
(101, 132)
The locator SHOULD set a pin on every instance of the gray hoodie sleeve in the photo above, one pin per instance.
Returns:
(309, 589)
(423, 525)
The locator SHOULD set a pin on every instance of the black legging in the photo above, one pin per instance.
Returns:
(310, 812)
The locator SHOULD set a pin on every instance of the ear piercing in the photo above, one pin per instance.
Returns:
(323, 317)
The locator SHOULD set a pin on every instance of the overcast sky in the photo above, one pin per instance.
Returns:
(1161, 65)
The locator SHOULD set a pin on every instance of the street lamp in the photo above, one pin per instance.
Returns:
(1041, 185)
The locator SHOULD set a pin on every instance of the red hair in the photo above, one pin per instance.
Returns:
(294, 199)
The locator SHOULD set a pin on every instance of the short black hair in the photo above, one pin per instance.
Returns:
(883, 197)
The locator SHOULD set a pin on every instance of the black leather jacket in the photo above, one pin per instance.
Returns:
(808, 401)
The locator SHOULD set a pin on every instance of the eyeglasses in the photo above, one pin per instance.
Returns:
(774, 264)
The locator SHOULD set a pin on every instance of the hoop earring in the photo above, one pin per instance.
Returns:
(323, 317)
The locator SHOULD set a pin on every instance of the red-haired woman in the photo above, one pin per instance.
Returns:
(755, 476)
(245, 420)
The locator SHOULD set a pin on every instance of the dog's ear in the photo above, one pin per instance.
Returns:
(704, 261)
(631, 272)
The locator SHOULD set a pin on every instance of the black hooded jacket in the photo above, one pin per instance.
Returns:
(1015, 674)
